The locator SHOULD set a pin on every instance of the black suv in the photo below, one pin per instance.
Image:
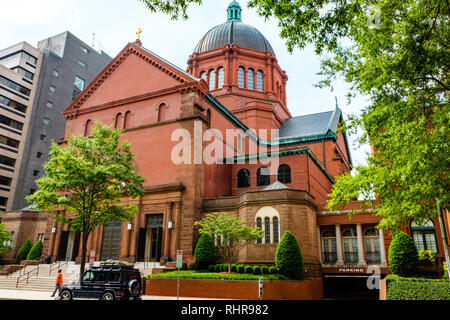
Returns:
(109, 281)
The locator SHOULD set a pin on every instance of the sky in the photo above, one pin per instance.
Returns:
(110, 24)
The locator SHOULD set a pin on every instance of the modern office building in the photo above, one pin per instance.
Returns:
(19, 73)
(67, 66)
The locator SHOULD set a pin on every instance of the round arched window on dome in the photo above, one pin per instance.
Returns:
(259, 81)
(251, 79)
(241, 77)
(212, 79)
(220, 75)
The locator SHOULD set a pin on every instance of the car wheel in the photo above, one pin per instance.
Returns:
(65, 295)
(134, 287)
(107, 296)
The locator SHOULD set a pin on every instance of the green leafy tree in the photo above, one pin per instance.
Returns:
(403, 256)
(5, 238)
(232, 234)
(288, 257)
(205, 251)
(35, 251)
(86, 180)
(23, 251)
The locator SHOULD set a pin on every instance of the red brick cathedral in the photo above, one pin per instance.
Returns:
(220, 137)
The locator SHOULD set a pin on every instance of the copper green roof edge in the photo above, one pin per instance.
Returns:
(282, 153)
(330, 135)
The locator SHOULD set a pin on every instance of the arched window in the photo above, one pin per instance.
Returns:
(212, 79)
(263, 176)
(118, 122)
(243, 178)
(163, 112)
(88, 128)
(251, 79)
(350, 242)
(203, 75)
(424, 236)
(372, 245)
(276, 236)
(241, 77)
(267, 230)
(284, 174)
(220, 75)
(270, 217)
(127, 119)
(259, 81)
(329, 246)
(259, 225)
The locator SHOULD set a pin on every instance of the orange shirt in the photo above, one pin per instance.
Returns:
(59, 279)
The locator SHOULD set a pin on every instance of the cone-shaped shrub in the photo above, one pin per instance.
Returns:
(403, 256)
(35, 251)
(23, 251)
(288, 257)
(205, 252)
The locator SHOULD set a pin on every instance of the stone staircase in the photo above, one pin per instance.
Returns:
(39, 277)
(42, 277)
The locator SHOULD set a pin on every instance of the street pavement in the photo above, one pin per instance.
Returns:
(11, 294)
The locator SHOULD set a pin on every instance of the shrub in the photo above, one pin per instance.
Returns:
(35, 252)
(240, 268)
(264, 270)
(23, 251)
(273, 270)
(398, 288)
(224, 267)
(403, 256)
(192, 274)
(288, 257)
(444, 264)
(211, 268)
(248, 269)
(217, 267)
(234, 267)
(256, 270)
(205, 251)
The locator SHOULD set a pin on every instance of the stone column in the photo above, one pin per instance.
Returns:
(361, 255)
(340, 259)
(167, 231)
(382, 249)
(319, 245)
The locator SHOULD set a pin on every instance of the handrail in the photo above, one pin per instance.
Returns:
(58, 265)
(28, 274)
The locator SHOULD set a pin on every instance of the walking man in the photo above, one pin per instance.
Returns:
(59, 282)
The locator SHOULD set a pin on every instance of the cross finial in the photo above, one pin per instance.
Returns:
(138, 33)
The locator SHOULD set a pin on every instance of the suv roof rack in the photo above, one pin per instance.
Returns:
(116, 263)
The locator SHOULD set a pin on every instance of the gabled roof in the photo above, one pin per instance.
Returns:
(276, 186)
(148, 56)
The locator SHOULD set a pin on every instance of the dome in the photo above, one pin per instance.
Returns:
(233, 31)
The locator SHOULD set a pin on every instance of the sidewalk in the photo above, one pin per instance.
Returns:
(10, 294)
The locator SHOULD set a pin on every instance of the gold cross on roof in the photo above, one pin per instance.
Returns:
(138, 33)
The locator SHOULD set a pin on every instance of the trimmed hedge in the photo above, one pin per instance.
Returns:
(288, 257)
(35, 252)
(403, 256)
(191, 274)
(23, 251)
(398, 288)
(244, 269)
(205, 251)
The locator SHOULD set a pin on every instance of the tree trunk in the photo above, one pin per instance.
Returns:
(83, 253)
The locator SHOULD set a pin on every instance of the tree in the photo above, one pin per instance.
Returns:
(5, 238)
(288, 257)
(86, 180)
(23, 251)
(205, 251)
(35, 251)
(231, 234)
(403, 256)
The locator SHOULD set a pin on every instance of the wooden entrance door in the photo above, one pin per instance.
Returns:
(111, 240)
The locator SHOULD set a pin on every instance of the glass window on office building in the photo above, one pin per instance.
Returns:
(78, 87)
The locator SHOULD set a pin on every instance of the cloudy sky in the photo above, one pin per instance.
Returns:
(115, 22)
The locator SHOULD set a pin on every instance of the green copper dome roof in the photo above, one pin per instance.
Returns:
(234, 31)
